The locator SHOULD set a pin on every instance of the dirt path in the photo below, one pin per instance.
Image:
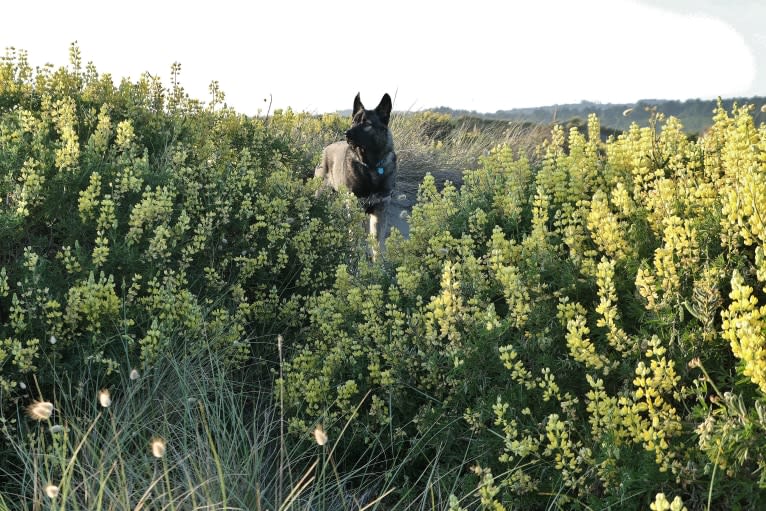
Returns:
(405, 194)
(396, 216)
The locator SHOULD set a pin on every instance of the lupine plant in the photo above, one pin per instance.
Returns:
(587, 329)
(573, 325)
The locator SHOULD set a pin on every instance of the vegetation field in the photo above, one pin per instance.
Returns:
(574, 321)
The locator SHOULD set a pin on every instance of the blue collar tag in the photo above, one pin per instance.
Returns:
(381, 170)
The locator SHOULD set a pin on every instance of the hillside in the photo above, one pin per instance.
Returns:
(694, 114)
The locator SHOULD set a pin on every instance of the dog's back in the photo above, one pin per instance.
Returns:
(332, 167)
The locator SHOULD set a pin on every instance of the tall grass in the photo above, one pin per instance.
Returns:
(444, 146)
(217, 434)
(189, 434)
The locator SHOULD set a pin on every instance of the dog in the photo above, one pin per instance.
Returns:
(365, 164)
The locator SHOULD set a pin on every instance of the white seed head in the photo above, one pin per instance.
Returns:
(319, 435)
(53, 339)
(158, 446)
(51, 490)
(104, 398)
(134, 374)
(56, 428)
(40, 410)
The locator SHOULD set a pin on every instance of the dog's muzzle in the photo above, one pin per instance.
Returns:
(349, 139)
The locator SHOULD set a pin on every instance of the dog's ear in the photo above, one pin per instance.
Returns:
(384, 108)
(358, 106)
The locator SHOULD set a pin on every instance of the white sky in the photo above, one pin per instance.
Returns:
(480, 55)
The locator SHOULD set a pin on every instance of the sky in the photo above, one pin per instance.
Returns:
(482, 55)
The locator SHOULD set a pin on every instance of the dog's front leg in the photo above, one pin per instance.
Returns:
(377, 243)
(378, 228)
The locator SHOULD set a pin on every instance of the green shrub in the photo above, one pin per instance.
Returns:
(134, 217)
(579, 326)
(539, 323)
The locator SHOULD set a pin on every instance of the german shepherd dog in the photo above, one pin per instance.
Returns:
(365, 163)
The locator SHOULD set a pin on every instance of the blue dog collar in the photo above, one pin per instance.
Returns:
(379, 168)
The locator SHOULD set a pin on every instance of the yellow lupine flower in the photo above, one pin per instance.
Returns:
(581, 348)
(661, 504)
(606, 229)
(616, 336)
(743, 327)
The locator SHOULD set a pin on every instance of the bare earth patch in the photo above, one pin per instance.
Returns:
(406, 192)
(397, 215)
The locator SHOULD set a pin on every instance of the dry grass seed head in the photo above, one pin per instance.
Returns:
(51, 490)
(104, 398)
(158, 447)
(40, 410)
(319, 435)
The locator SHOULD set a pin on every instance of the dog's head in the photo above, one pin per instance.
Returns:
(369, 128)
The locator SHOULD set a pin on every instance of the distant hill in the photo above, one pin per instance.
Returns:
(694, 114)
